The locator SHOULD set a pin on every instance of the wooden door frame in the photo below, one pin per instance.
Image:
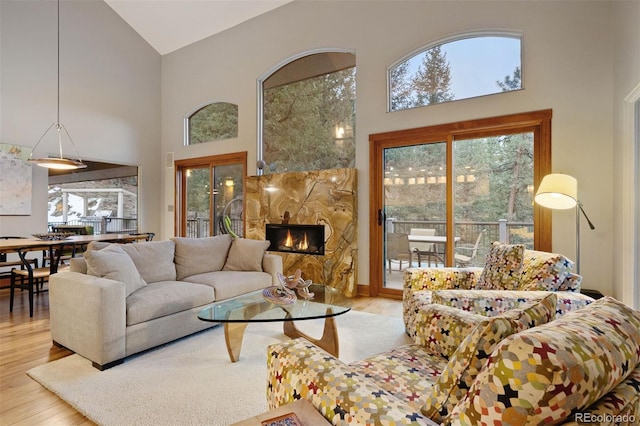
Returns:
(179, 228)
(538, 122)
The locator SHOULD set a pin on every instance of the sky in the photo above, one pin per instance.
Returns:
(476, 63)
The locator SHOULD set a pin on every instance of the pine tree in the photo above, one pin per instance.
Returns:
(433, 79)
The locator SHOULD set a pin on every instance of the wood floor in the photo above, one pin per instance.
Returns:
(26, 343)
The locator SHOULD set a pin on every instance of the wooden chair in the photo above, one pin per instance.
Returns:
(398, 249)
(35, 278)
(5, 263)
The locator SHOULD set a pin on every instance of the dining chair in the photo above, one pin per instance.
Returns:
(6, 263)
(422, 249)
(398, 249)
(35, 279)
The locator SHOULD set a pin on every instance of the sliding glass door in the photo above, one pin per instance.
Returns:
(442, 195)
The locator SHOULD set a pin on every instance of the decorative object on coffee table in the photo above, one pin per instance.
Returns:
(296, 282)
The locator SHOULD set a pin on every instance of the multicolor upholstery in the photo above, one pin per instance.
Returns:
(546, 374)
(517, 368)
(503, 267)
(346, 394)
(471, 356)
(478, 289)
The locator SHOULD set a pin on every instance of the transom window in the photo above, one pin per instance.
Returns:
(460, 68)
(213, 122)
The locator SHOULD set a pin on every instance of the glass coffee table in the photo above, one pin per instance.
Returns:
(238, 312)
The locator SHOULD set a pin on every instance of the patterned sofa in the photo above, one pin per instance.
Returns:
(521, 367)
(511, 276)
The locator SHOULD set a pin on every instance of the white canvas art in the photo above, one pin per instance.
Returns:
(15, 180)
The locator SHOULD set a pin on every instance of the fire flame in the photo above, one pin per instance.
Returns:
(288, 242)
(304, 244)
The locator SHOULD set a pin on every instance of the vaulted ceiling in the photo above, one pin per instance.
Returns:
(168, 25)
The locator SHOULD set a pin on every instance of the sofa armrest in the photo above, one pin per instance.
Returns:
(88, 316)
(416, 279)
(298, 369)
(272, 264)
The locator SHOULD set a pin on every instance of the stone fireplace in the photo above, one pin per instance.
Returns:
(302, 239)
(326, 199)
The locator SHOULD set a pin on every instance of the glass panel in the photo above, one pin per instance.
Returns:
(309, 115)
(414, 203)
(198, 202)
(493, 194)
(228, 199)
(213, 122)
(455, 70)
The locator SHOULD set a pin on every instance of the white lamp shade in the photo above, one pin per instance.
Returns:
(557, 191)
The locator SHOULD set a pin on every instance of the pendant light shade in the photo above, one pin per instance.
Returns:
(59, 163)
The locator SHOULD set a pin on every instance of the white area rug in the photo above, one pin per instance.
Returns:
(192, 381)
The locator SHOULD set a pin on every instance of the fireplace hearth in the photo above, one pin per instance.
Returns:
(290, 238)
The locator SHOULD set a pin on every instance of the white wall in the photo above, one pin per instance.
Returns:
(626, 266)
(567, 67)
(109, 95)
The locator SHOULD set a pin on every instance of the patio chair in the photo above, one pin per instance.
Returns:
(466, 253)
(426, 250)
(398, 249)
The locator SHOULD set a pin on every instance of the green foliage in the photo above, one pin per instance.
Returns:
(300, 123)
(213, 122)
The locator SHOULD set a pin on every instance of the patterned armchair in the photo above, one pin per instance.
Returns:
(511, 276)
(518, 367)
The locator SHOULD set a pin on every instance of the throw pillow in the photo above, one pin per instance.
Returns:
(465, 364)
(503, 267)
(246, 255)
(442, 329)
(200, 255)
(544, 271)
(543, 374)
(153, 259)
(113, 263)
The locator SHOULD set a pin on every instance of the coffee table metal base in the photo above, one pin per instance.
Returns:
(234, 333)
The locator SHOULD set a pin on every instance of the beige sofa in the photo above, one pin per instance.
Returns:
(119, 300)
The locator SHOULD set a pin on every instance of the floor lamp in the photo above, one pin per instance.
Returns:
(560, 192)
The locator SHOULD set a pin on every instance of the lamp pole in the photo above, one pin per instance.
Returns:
(579, 209)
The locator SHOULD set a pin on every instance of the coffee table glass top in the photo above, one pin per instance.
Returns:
(253, 307)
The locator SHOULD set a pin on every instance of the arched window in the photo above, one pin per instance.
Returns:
(308, 114)
(456, 68)
(212, 122)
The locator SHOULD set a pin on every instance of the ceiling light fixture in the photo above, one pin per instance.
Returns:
(59, 163)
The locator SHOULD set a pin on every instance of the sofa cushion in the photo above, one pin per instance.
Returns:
(544, 271)
(153, 259)
(442, 329)
(164, 298)
(113, 263)
(502, 268)
(543, 374)
(465, 364)
(246, 255)
(200, 255)
(232, 283)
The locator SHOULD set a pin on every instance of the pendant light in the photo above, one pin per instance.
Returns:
(59, 163)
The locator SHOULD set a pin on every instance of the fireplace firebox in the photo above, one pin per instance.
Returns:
(306, 239)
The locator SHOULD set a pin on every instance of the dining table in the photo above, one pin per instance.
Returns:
(21, 246)
(435, 239)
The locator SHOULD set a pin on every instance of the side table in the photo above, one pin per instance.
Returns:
(306, 412)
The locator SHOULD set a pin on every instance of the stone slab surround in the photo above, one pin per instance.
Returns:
(325, 197)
